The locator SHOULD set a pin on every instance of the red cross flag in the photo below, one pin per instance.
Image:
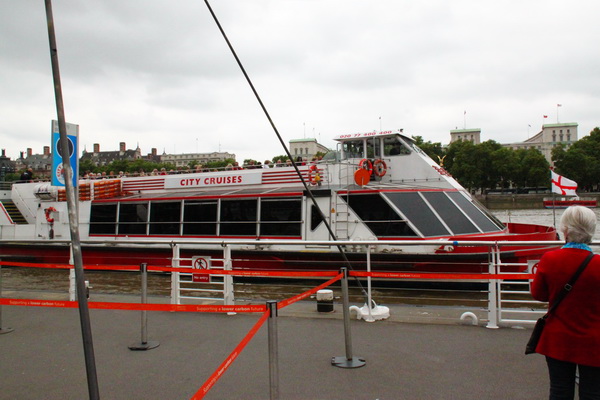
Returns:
(563, 186)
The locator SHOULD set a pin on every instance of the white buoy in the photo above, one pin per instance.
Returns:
(375, 313)
(469, 316)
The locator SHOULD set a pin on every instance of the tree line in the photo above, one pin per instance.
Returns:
(489, 165)
(483, 166)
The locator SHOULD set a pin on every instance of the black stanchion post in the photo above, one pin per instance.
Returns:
(349, 361)
(273, 351)
(144, 344)
(2, 329)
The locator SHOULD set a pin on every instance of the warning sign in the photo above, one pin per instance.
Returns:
(200, 263)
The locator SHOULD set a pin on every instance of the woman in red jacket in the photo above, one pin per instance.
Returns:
(571, 337)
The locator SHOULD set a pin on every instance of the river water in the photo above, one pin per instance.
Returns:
(41, 279)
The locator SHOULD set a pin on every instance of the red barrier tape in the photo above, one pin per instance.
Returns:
(99, 305)
(292, 300)
(411, 275)
(225, 365)
(188, 270)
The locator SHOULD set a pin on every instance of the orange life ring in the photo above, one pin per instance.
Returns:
(316, 178)
(366, 165)
(379, 167)
(48, 212)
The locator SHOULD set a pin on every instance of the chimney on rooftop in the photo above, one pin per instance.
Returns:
(122, 146)
(46, 150)
(3, 152)
(96, 147)
(154, 151)
(29, 152)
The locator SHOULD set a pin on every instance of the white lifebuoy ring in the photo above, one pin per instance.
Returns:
(379, 167)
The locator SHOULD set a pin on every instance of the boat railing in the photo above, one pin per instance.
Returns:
(508, 300)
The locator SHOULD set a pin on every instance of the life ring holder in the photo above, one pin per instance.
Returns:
(48, 211)
(314, 178)
(366, 164)
(379, 167)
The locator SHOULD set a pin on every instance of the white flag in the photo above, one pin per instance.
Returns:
(563, 186)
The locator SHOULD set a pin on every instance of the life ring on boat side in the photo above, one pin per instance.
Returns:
(314, 177)
(379, 167)
(366, 164)
(49, 212)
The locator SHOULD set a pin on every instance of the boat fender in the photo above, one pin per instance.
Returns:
(469, 316)
(49, 212)
(379, 167)
(366, 165)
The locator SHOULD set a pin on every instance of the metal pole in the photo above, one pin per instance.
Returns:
(492, 292)
(2, 330)
(84, 314)
(145, 344)
(228, 293)
(273, 351)
(175, 285)
(349, 361)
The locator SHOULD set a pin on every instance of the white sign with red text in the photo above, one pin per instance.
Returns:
(200, 263)
(211, 180)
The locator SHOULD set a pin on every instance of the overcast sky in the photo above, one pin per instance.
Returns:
(159, 74)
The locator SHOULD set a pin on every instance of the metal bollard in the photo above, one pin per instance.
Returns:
(273, 351)
(349, 361)
(144, 344)
(2, 330)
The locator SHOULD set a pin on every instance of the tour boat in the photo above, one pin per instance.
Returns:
(564, 202)
(376, 186)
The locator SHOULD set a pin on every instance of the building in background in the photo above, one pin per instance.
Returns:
(471, 135)
(184, 160)
(550, 136)
(102, 158)
(306, 148)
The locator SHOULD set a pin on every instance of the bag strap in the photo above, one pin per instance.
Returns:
(569, 285)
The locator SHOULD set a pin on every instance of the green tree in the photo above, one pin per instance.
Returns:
(434, 150)
(581, 162)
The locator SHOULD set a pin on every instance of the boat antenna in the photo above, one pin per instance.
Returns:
(287, 151)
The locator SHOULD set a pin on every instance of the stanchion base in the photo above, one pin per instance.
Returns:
(343, 362)
(5, 330)
(144, 346)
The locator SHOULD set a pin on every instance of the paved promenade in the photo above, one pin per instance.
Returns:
(436, 358)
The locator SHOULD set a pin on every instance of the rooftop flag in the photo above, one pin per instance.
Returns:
(563, 186)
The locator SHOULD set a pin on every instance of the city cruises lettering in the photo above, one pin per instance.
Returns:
(211, 181)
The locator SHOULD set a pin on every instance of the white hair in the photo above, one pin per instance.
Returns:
(578, 224)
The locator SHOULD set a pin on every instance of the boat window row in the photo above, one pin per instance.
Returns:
(425, 213)
(261, 217)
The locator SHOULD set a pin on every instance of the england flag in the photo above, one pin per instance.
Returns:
(563, 186)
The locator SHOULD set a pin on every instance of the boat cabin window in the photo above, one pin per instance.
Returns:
(353, 149)
(439, 213)
(394, 147)
(103, 219)
(200, 218)
(238, 217)
(381, 219)
(165, 217)
(133, 218)
(374, 147)
(278, 217)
